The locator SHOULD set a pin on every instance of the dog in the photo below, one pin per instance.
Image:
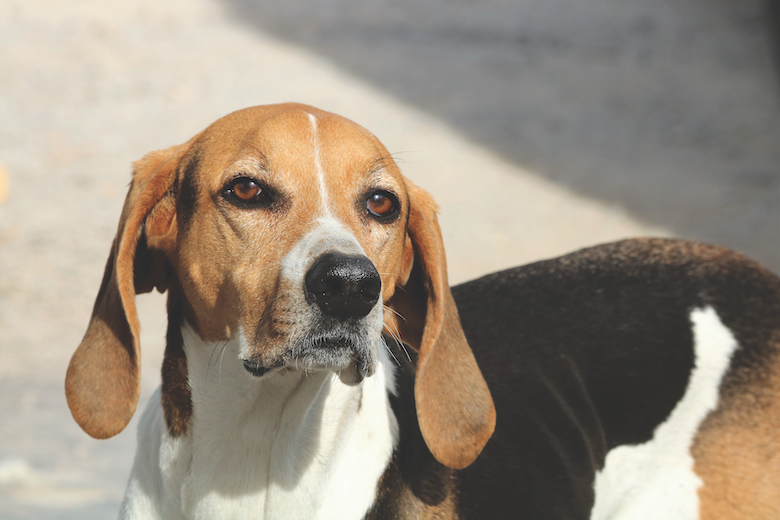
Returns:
(318, 364)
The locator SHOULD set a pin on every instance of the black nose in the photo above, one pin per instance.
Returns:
(344, 286)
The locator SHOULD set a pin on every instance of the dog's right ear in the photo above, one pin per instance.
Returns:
(103, 381)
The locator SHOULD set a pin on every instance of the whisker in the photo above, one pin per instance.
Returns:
(393, 311)
(391, 351)
(208, 367)
(397, 335)
(219, 373)
(393, 156)
(403, 346)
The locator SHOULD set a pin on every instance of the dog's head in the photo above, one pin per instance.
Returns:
(291, 231)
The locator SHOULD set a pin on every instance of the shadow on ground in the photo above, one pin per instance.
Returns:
(670, 110)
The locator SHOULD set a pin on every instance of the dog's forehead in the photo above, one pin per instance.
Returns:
(291, 139)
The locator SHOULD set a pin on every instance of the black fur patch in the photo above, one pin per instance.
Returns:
(188, 192)
(582, 353)
(175, 393)
(590, 351)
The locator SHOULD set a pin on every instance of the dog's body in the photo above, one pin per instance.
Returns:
(634, 380)
(644, 375)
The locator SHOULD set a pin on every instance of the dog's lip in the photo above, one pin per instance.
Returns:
(335, 353)
(333, 342)
(255, 368)
(324, 351)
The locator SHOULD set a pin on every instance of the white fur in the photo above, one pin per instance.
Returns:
(656, 480)
(327, 235)
(315, 142)
(287, 445)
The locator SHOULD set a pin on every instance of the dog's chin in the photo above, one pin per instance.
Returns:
(352, 376)
(351, 362)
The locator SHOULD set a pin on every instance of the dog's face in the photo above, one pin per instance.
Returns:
(292, 231)
(288, 227)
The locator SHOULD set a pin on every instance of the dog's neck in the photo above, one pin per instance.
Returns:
(287, 444)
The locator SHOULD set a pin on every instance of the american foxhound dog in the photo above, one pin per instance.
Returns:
(318, 365)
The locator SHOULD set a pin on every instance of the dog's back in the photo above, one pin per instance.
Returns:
(596, 349)
(637, 379)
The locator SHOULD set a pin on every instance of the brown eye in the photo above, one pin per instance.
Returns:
(382, 204)
(247, 192)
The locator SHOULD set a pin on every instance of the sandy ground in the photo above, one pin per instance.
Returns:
(539, 126)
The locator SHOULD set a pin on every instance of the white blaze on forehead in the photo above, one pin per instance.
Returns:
(315, 141)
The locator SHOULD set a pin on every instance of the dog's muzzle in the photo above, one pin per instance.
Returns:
(341, 291)
(345, 289)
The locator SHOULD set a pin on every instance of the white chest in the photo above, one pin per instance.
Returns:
(283, 446)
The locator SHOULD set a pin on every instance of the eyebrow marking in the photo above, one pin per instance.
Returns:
(263, 159)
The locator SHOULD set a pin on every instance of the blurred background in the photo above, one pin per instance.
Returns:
(540, 126)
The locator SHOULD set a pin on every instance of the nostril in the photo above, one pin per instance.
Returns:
(370, 289)
(343, 286)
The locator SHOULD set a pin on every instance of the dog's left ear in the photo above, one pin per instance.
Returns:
(103, 381)
(454, 407)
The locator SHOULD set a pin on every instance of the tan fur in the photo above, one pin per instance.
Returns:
(431, 497)
(103, 379)
(737, 452)
(223, 265)
(456, 420)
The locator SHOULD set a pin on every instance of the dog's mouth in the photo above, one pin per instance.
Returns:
(255, 368)
(341, 354)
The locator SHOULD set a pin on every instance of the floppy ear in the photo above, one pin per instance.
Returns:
(103, 379)
(454, 407)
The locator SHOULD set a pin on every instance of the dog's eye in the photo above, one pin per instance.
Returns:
(246, 191)
(382, 204)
